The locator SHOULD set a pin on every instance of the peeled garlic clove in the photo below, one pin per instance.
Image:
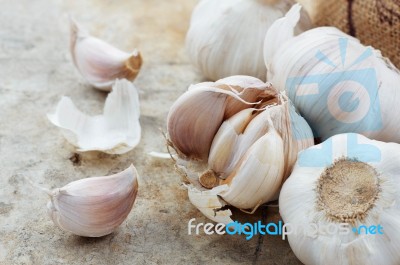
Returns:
(94, 207)
(345, 182)
(117, 131)
(336, 83)
(195, 117)
(99, 62)
(226, 36)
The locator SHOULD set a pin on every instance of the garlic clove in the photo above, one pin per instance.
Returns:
(99, 62)
(209, 203)
(224, 143)
(193, 121)
(258, 176)
(195, 117)
(96, 206)
(117, 131)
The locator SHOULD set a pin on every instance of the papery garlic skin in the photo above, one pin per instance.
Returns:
(337, 84)
(195, 117)
(117, 131)
(300, 194)
(99, 62)
(207, 201)
(226, 37)
(96, 206)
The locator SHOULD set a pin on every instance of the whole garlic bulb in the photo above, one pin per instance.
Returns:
(348, 189)
(249, 152)
(337, 84)
(96, 206)
(226, 37)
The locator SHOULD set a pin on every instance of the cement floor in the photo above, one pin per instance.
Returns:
(35, 71)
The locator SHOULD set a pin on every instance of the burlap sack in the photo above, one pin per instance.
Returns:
(373, 22)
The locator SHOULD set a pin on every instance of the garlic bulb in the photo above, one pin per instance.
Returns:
(226, 36)
(337, 84)
(249, 153)
(343, 197)
(99, 62)
(117, 131)
(94, 207)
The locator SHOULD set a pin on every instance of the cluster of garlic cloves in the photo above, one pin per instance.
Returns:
(248, 152)
(96, 206)
(347, 181)
(99, 62)
(336, 83)
(195, 117)
(117, 131)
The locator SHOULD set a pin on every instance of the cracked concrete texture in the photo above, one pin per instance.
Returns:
(35, 71)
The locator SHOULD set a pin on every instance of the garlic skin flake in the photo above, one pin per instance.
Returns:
(226, 37)
(99, 62)
(356, 181)
(96, 206)
(210, 204)
(117, 131)
(337, 84)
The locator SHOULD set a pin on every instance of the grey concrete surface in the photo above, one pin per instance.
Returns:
(35, 71)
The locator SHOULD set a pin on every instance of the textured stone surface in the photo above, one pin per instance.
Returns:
(35, 71)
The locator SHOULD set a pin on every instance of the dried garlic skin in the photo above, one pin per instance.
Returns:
(348, 179)
(99, 62)
(337, 84)
(226, 37)
(96, 206)
(116, 131)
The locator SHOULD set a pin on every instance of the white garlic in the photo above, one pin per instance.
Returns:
(337, 84)
(99, 62)
(117, 131)
(338, 186)
(96, 206)
(226, 37)
(250, 156)
(195, 117)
